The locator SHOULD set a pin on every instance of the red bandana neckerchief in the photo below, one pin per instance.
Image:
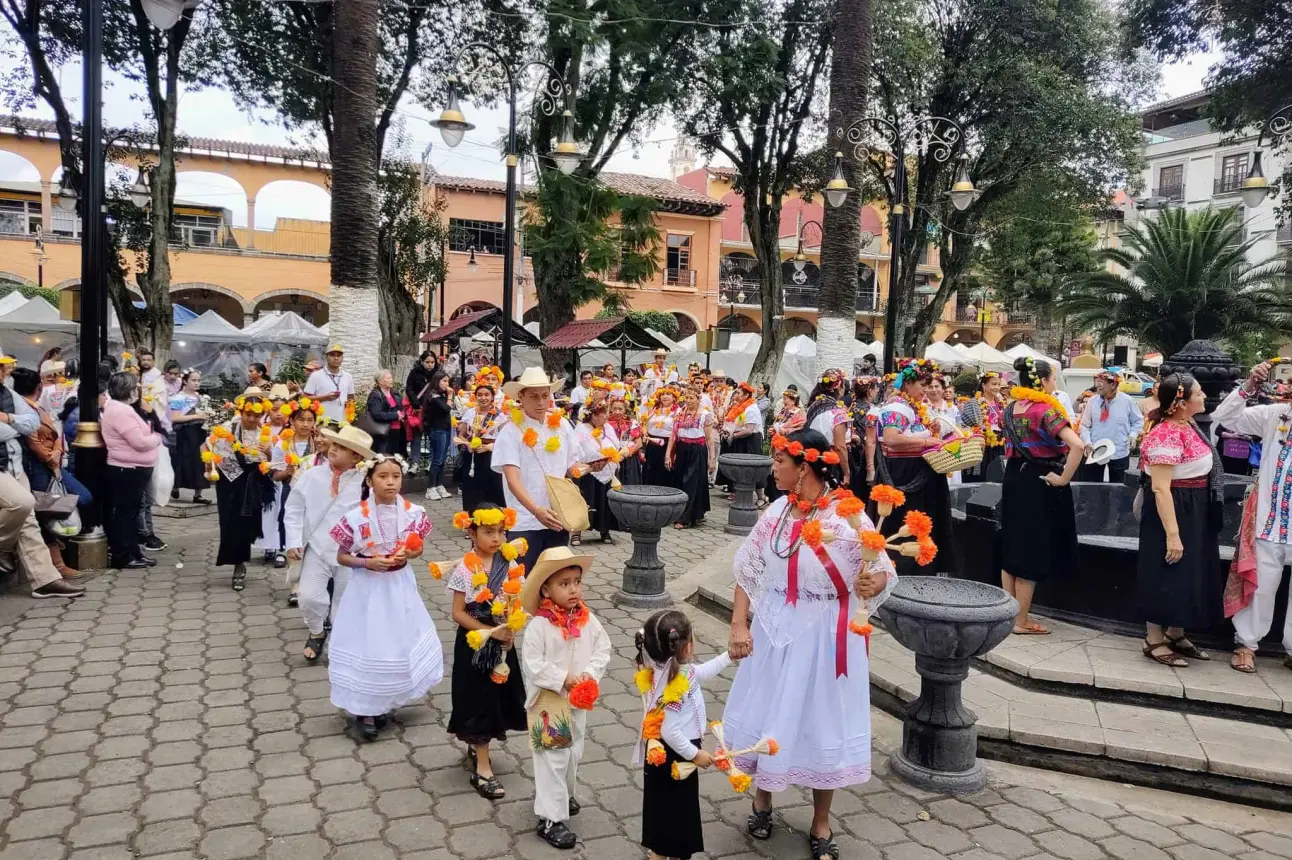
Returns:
(570, 624)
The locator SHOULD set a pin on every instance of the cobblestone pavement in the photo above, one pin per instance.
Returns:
(163, 715)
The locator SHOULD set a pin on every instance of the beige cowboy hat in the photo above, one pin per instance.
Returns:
(551, 561)
(661, 351)
(351, 437)
(279, 391)
(51, 366)
(533, 377)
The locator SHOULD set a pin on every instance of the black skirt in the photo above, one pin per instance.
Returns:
(925, 491)
(594, 492)
(671, 810)
(655, 474)
(1038, 526)
(630, 470)
(1190, 592)
(238, 531)
(691, 466)
(482, 710)
(186, 456)
(483, 485)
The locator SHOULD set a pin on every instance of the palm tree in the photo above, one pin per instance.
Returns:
(1187, 276)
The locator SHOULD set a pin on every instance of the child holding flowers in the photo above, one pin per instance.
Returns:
(564, 655)
(488, 702)
(385, 651)
(239, 459)
(674, 721)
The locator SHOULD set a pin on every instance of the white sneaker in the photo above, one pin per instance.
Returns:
(444, 494)
(431, 494)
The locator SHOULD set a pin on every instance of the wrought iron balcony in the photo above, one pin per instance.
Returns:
(743, 293)
(679, 278)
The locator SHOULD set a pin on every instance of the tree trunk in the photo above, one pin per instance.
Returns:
(1047, 337)
(841, 239)
(400, 317)
(355, 209)
(762, 219)
(555, 310)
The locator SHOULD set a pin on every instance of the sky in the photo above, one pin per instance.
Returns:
(213, 113)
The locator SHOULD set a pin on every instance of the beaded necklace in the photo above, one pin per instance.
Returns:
(785, 519)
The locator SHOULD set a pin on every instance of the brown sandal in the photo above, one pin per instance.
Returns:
(1182, 646)
(1031, 628)
(1244, 660)
(1170, 658)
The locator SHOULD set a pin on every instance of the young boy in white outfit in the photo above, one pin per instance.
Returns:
(318, 500)
(564, 645)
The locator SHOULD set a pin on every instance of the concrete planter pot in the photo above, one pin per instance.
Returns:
(946, 622)
(745, 472)
(644, 511)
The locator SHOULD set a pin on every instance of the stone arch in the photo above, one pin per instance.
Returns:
(795, 326)
(202, 297)
(738, 322)
(1013, 339)
(215, 189)
(7, 278)
(70, 283)
(687, 325)
(530, 316)
(269, 201)
(243, 304)
(18, 167)
(312, 307)
(966, 336)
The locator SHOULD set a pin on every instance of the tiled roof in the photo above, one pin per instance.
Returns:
(725, 172)
(666, 191)
(46, 128)
(579, 333)
(1174, 103)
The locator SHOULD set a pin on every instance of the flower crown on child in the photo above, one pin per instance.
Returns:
(796, 449)
(291, 407)
(366, 466)
(506, 517)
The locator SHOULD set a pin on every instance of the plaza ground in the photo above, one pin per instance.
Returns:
(164, 715)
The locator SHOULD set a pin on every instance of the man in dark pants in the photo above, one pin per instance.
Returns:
(1109, 414)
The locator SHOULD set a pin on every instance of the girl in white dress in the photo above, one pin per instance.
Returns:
(385, 651)
(806, 680)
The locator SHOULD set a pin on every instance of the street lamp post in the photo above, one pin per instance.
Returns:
(41, 258)
(937, 135)
(453, 126)
(1256, 187)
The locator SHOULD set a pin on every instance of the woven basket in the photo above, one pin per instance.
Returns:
(955, 455)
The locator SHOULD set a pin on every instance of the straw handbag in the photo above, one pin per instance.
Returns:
(963, 451)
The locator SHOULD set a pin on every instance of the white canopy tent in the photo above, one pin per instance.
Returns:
(32, 327)
(1025, 351)
(37, 315)
(286, 328)
(12, 302)
(989, 358)
(210, 327)
(944, 353)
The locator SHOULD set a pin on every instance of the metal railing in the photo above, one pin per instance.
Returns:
(870, 303)
(1170, 192)
(679, 277)
(745, 293)
(1016, 316)
(300, 243)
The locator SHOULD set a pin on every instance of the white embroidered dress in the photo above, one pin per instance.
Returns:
(384, 651)
(807, 683)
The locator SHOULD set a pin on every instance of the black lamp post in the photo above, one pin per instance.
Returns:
(937, 135)
(453, 127)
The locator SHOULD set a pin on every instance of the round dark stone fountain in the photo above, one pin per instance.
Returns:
(644, 510)
(745, 471)
(1214, 369)
(946, 622)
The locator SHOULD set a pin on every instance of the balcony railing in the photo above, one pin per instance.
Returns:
(1227, 185)
(300, 243)
(1015, 316)
(1170, 192)
(744, 293)
(679, 278)
(870, 303)
(804, 298)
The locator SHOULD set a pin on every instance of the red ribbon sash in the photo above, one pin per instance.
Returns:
(792, 586)
(841, 589)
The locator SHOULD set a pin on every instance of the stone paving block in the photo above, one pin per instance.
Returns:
(1081, 823)
(1209, 837)
(410, 834)
(1069, 846)
(1125, 848)
(106, 829)
(113, 798)
(1143, 830)
(895, 807)
(873, 828)
(938, 836)
(910, 851)
(1033, 799)
(232, 843)
(957, 813)
(37, 849)
(999, 840)
(1189, 851)
(38, 823)
(167, 836)
(165, 805)
(1272, 843)
(54, 792)
(228, 811)
(1015, 817)
(291, 819)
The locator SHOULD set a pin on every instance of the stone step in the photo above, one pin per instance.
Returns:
(1078, 661)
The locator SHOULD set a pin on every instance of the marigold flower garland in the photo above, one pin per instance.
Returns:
(1033, 395)
(505, 607)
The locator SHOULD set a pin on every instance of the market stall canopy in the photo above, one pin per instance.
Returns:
(12, 302)
(1025, 351)
(609, 333)
(989, 358)
(488, 321)
(35, 316)
(944, 353)
(210, 327)
(284, 327)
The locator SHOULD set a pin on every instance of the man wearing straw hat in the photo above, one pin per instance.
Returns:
(527, 452)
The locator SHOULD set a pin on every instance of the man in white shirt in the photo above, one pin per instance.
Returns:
(526, 454)
(579, 395)
(331, 386)
(149, 372)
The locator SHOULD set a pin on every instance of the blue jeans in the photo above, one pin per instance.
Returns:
(439, 453)
(40, 477)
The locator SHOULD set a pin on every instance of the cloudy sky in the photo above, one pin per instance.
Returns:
(213, 113)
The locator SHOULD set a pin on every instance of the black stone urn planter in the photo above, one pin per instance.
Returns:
(1214, 369)
(643, 511)
(945, 622)
(745, 472)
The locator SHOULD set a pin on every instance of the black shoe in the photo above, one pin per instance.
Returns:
(57, 588)
(148, 562)
(154, 543)
(280, 561)
(367, 728)
(556, 834)
(174, 494)
(198, 500)
(574, 807)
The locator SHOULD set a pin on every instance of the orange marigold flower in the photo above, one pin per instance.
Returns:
(780, 442)
(795, 449)
(508, 518)
(584, 694)
(860, 629)
(928, 551)
(656, 756)
(873, 540)
(554, 420)
(830, 458)
(511, 586)
(471, 560)
(812, 533)
(722, 763)
(461, 520)
(516, 572)
(884, 494)
(435, 570)
(849, 507)
(653, 724)
(484, 595)
(530, 437)
(499, 679)
(919, 524)
(772, 747)
(811, 455)
(413, 543)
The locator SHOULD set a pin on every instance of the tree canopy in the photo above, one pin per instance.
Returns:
(1184, 275)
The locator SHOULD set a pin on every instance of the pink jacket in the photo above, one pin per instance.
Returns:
(131, 442)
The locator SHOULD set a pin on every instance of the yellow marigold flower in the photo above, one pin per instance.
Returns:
(741, 782)
(517, 416)
(479, 579)
(676, 689)
(553, 443)
(517, 619)
(476, 638)
(476, 442)
(508, 551)
(435, 570)
(496, 608)
(645, 680)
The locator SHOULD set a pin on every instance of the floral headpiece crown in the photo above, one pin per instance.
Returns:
(506, 517)
(252, 404)
(366, 466)
(832, 377)
(1178, 400)
(987, 376)
(795, 449)
(668, 389)
(746, 387)
(291, 407)
(914, 368)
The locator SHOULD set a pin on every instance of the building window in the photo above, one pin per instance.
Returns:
(196, 231)
(1170, 182)
(1233, 170)
(20, 217)
(486, 237)
(677, 264)
(66, 224)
